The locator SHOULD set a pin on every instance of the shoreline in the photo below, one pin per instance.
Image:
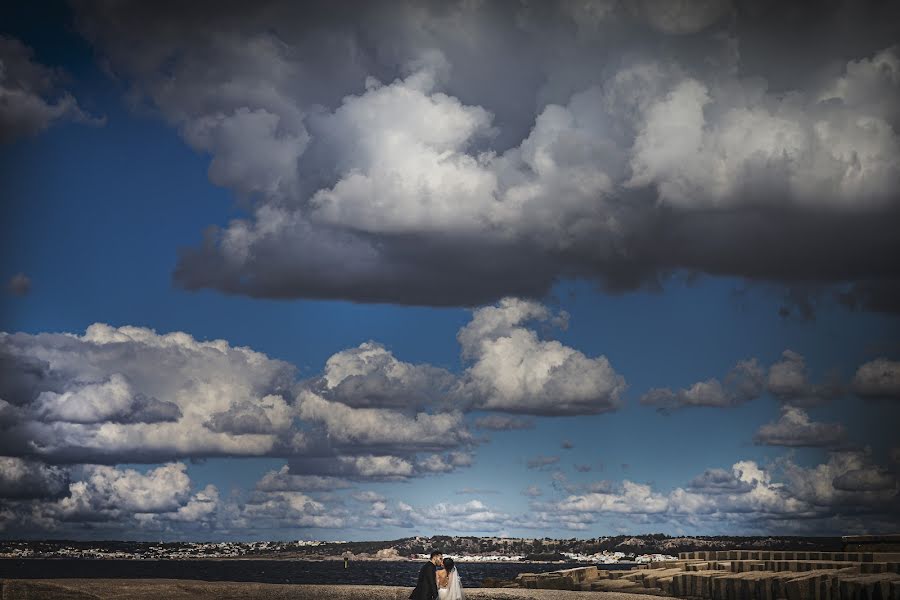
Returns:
(622, 565)
(185, 589)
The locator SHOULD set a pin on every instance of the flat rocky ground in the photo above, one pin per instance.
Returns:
(182, 589)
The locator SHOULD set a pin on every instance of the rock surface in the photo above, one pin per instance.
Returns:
(180, 589)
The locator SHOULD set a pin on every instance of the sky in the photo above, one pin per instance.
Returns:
(374, 270)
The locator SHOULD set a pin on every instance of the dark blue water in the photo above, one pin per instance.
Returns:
(261, 571)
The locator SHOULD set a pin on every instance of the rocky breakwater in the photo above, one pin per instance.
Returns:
(740, 575)
(584, 579)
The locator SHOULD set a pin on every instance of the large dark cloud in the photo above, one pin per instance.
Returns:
(444, 153)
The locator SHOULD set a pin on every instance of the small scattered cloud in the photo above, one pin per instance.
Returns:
(542, 462)
(19, 285)
(719, 481)
(369, 376)
(532, 491)
(788, 380)
(895, 455)
(22, 478)
(503, 423)
(32, 98)
(283, 481)
(744, 382)
(878, 379)
(794, 428)
(865, 480)
(476, 491)
(368, 496)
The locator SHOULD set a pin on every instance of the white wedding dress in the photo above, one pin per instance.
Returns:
(454, 589)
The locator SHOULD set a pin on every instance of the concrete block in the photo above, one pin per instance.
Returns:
(579, 574)
(816, 584)
(740, 566)
(666, 585)
(619, 574)
(555, 583)
(651, 580)
(635, 576)
(867, 587)
(696, 584)
(527, 580)
(873, 567)
(615, 585)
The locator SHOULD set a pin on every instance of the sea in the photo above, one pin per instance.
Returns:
(399, 573)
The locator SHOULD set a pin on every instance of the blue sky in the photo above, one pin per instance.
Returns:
(98, 216)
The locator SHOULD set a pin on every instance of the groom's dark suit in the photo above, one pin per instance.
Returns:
(426, 587)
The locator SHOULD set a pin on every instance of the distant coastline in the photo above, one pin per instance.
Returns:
(280, 571)
(465, 548)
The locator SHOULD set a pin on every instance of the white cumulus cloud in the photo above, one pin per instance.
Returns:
(513, 370)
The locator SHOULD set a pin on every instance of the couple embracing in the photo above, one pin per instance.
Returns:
(442, 584)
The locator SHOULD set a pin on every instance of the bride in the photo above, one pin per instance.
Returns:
(449, 586)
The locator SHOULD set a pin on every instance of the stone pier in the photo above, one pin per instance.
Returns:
(175, 589)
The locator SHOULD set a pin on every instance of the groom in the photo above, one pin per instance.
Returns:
(426, 587)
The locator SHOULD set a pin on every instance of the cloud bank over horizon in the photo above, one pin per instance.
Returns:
(74, 407)
(128, 394)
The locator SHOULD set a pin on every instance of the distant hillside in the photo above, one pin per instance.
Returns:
(629, 544)
(408, 547)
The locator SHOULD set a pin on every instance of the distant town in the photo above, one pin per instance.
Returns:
(600, 550)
